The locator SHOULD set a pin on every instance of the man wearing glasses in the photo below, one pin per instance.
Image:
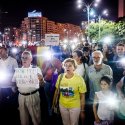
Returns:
(28, 79)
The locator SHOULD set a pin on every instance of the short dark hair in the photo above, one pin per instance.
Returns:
(86, 49)
(79, 53)
(120, 44)
(107, 79)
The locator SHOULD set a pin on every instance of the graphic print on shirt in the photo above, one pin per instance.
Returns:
(67, 91)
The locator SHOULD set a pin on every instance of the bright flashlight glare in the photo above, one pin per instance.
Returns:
(48, 55)
(14, 50)
(112, 102)
(3, 76)
(73, 47)
(65, 41)
(122, 61)
(64, 46)
(107, 40)
(24, 42)
(75, 40)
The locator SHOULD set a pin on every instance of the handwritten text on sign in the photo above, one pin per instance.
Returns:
(26, 76)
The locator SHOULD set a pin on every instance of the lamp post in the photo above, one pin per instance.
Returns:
(105, 12)
(99, 25)
(81, 3)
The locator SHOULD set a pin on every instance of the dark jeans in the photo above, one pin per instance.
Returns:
(119, 120)
(49, 96)
(9, 107)
(89, 114)
(44, 108)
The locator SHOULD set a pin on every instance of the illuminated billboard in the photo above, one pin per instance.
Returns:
(34, 14)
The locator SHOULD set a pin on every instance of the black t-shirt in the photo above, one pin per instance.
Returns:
(118, 69)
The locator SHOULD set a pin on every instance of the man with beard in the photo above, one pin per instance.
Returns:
(95, 72)
(118, 64)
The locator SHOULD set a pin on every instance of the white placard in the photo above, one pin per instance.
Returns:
(26, 75)
(52, 39)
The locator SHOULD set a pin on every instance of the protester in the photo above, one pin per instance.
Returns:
(72, 93)
(104, 113)
(81, 65)
(120, 87)
(8, 98)
(50, 68)
(95, 72)
(118, 64)
(28, 79)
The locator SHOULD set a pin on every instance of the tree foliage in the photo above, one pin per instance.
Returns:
(120, 30)
(106, 28)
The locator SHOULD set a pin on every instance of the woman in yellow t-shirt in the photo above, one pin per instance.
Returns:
(72, 93)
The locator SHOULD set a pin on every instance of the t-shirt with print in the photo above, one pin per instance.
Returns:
(70, 90)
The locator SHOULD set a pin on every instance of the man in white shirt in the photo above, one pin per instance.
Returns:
(28, 79)
(8, 99)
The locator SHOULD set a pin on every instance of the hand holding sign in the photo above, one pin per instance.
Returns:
(41, 79)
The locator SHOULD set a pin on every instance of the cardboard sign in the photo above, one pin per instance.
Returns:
(52, 39)
(26, 76)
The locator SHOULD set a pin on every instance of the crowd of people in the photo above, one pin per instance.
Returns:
(92, 87)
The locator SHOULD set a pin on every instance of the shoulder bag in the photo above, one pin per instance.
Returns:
(55, 106)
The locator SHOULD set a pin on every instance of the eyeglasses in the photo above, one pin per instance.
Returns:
(96, 57)
(24, 58)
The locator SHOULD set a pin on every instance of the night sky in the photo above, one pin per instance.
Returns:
(63, 11)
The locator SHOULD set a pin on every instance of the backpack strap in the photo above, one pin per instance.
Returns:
(85, 73)
(60, 80)
(84, 67)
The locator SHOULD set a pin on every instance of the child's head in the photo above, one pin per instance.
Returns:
(105, 82)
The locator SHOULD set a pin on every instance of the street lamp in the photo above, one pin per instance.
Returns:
(105, 12)
(81, 3)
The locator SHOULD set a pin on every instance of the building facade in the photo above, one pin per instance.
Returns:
(121, 8)
(36, 27)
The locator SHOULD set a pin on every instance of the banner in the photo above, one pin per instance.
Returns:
(52, 39)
